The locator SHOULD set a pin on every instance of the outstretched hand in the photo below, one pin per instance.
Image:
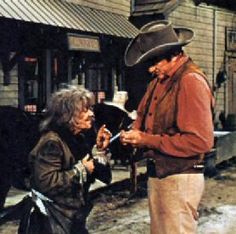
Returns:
(133, 137)
(103, 138)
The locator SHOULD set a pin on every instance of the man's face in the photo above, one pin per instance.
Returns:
(161, 67)
(83, 120)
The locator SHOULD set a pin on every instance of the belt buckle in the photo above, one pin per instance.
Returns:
(198, 166)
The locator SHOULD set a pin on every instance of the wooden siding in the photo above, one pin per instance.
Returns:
(119, 7)
(206, 50)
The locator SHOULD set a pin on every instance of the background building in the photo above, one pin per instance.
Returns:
(214, 45)
(47, 44)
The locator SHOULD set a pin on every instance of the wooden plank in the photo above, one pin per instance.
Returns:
(119, 7)
(133, 177)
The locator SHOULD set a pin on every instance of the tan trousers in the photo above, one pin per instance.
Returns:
(173, 203)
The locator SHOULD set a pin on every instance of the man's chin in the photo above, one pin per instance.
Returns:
(90, 125)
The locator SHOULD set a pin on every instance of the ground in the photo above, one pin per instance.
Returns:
(116, 211)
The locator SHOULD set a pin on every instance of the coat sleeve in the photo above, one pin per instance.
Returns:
(49, 176)
(102, 169)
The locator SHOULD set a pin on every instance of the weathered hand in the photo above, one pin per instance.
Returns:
(134, 137)
(88, 164)
(103, 138)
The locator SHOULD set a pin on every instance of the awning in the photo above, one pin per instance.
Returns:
(68, 15)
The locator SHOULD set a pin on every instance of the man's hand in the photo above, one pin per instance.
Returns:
(103, 138)
(134, 137)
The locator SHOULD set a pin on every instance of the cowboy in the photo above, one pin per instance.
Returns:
(173, 128)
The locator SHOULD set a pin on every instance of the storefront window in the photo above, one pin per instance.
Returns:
(89, 72)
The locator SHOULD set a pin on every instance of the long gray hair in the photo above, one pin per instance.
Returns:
(63, 104)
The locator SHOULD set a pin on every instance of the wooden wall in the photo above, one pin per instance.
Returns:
(116, 6)
(208, 47)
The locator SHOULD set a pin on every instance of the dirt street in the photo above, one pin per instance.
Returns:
(217, 209)
(115, 211)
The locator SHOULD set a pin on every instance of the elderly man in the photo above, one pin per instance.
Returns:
(174, 126)
(63, 165)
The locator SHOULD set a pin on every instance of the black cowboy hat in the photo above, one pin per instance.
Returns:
(155, 39)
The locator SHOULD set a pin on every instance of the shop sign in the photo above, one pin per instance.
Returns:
(82, 42)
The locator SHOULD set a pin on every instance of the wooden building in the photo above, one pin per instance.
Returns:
(45, 45)
(213, 47)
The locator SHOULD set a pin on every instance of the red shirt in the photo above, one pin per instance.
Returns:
(194, 118)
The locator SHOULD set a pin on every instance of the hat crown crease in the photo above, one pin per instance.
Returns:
(154, 39)
(151, 38)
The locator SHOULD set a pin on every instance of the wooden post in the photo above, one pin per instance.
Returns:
(48, 72)
(133, 174)
(21, 80)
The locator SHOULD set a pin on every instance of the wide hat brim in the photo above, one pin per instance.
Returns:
(133, 54)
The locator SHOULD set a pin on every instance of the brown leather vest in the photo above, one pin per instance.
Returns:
(166, 108)
(166, 122)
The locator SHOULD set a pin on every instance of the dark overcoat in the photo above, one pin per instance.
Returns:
(53, 175)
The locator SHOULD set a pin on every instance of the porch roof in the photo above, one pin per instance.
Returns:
(64, 14)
